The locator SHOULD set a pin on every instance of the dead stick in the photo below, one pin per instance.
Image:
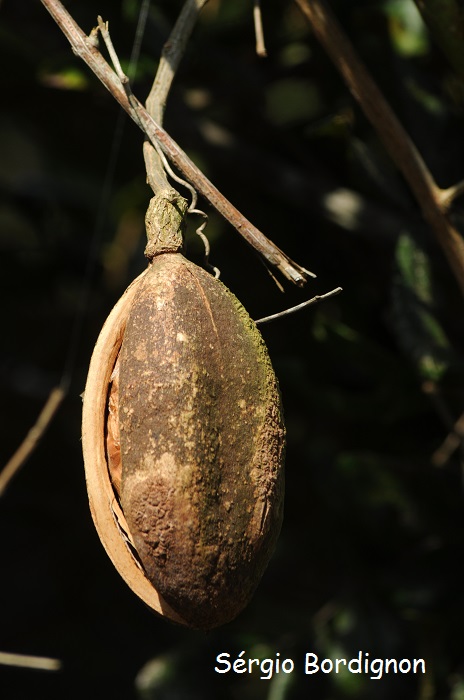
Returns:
(42, 663)
(299, 307)
(32, 438)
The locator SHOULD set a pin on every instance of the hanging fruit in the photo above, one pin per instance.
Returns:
(183, 436)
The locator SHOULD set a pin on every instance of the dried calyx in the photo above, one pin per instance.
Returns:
(191, 436)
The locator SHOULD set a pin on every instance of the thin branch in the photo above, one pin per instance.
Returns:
(455, 438)
(452, 442)
(155, 162)
(40, 663)
(448, 196)
(85, 48)
(247, 230)
(397, 142)
(299, 307)
(259, 32)
(171, 56)
(32, 438)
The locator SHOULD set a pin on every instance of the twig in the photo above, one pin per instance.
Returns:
(293, 309)
(451, 443)
(41, 663)
(85, 48)
(455, 438)
(259, 32)
(32, 438)
(448, 196)
(429, 196)
(171, 56)
(155, 162)
(104, 31)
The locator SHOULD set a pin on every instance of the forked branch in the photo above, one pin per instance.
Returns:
(84, 47)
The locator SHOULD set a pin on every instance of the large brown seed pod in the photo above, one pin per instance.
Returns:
(196, 485)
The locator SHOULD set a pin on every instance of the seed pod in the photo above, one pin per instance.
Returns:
(193, 402)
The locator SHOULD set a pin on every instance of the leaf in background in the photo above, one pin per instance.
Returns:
(419, 331)
(292, 100)
(65, 79)
(445, 18)
(406, 27)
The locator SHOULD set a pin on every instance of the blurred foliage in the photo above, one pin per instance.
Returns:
(446, 21)
(369, 553)
(419, 330)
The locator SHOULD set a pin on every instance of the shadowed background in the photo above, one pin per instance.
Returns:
(372, 381)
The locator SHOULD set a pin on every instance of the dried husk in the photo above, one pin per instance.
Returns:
(106, 513)
(202, 442)
(183, 437)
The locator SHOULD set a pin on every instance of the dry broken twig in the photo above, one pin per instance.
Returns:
(299, 307)
(33, 437)
(259, 31)
(40, 663)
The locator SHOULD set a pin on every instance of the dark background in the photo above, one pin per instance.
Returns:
(370, 553)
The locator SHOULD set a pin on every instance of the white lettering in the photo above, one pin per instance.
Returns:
(239, 664)
(267, 666)
(222, 659)
(288, 662)
(352, 662)
(327, 666)
(391, 662)
(376, 668)
(313, 663)
(405, 662)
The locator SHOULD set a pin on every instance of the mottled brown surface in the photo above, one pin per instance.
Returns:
(202, 442)
(112, 444)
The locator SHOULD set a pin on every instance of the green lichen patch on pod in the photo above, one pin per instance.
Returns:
(202, 442)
